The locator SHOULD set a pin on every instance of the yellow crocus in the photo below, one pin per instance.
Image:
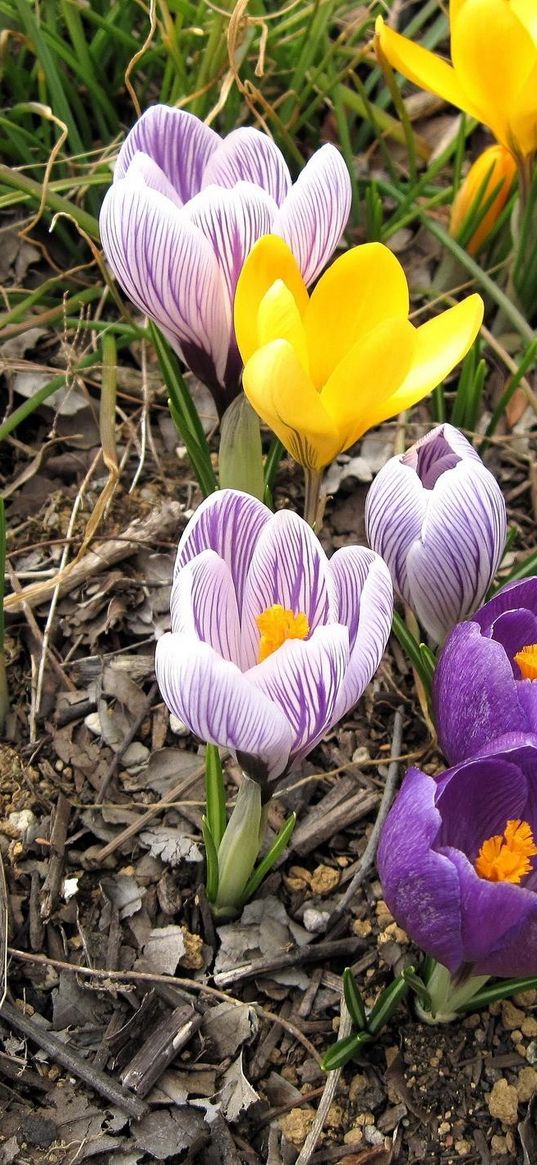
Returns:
(488, 181)
(322, 369)
(494, 72)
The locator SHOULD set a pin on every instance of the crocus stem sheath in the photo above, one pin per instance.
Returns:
(448, 993)
(239, 848)
(315, 498)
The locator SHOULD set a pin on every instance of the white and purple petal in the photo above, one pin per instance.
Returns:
(315, 212)
(232, 221)
(168, 269)
(220, 705)
(303, 678)
(288, 567)
(179, 143)
(513, 597)
(145, 171)
(247, 155)
(463, 536)
(203, 603)
(230, 523)
(364, 604)
(395, 509)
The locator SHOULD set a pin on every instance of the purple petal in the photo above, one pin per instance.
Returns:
(420, 886)
(515, 630)
(203, 603)
(477, 799)
(511, 598)
(168, 270)
(395, 509)
(230, 523)
(288, 567)
(219, 704)
(179, 143)
(315, 212)
(304, 678)
(232, 221)
(462, 540)
(475, 696)
(144, 170)
(439, 450)
(499, 923)
(364, 604)
(247, 155)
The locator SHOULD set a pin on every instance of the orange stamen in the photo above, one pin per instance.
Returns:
(506, 858)
(276, 625)
(527, 661)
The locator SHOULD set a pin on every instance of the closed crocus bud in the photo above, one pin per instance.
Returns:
(483, 195)
(485, 682)
(437, 516)
(456, 861)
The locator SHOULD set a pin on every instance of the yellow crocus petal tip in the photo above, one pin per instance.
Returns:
(270, 260)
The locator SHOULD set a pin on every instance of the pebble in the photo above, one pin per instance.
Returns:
(324, 880)
(463, 1147)
(503, 1102)
(295, 1125)
(512, 1016)
(354, 1136)
(529, 1026)
(526, 1084)
(531, 1052)
(499, 1145)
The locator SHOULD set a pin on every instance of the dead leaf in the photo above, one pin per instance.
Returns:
(227, 1026)
(162, 951)
(237, 1094)
(166, 1133)
(170, 845)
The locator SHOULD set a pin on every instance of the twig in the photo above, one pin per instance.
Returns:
(167, 980)
(296, 957)
(51, 886)
(371, 847)
(74, 1063)
(332, 1082)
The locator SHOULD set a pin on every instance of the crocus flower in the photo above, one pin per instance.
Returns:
(456, 862)
(271, 643)
(322, 370)
(485, 683)
(487, 184)
(494, 72)
(184, 210)
(437, 516)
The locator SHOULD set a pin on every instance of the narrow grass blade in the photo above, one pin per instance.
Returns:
(340, 1054)
(354, 1001)
(419, 655)
(277, 848)
(184, 414)
(503, 989)
(211, 861)
(3, 675)
(387, 1003)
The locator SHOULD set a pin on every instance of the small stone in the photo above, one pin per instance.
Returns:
(516, 1036)
(444, 1128)
(295, 1125)
(324, 880)
(531, 1052)
(499, 1145)
(354, 1136)
(193, 957)
(373, 1136)
(335, 1116)
(358, 1084)
(526, 1084)
(463, 1147)
(529, 1026)
(503, 1102)
(362, 927)
(512, 1016)
(525, 998)
(384, 916)
(315, 921)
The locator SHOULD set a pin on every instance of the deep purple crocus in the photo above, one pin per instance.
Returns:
(438, 518)
(457, 864)
(485, 683)
(183, 212)
(271, 642)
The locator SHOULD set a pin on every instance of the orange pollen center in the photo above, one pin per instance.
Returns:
(277, 624)
(527, 661)
(506, 858)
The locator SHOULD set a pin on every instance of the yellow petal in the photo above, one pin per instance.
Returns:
(282, 394)
(278, 318)
(270, 259)
(364, 286)
(440, 344)
(526, 10)
(370, 373)
(425, 69)
(493, 54)
(489, 180)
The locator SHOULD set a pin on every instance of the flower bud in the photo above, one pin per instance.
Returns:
(437, 516)
(482, 196)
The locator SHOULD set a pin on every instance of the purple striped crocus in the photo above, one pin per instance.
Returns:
(456, 861)
(438, 518)
(485, 682)
(271, 642)
(183, 212)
